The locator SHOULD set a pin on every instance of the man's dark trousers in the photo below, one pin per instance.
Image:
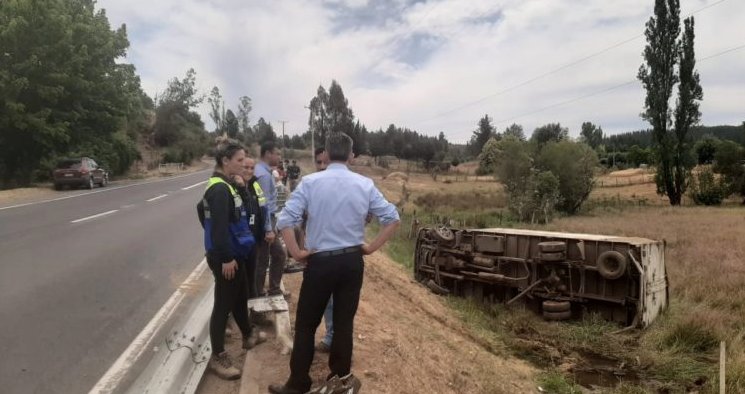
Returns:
(341, 276)
(272, 256)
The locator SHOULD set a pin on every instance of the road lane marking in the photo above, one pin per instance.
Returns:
(157, 198)
(98, 215)
(110, 381)
(194, 185)
(108, 189)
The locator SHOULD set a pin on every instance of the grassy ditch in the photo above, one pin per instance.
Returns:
(679, 353)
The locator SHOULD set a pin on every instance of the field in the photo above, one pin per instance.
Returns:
(705, 257)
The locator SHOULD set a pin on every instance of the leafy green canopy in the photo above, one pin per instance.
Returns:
(62, 91)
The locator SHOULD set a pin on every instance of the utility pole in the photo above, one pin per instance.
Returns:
(284, 147)
(313, 132)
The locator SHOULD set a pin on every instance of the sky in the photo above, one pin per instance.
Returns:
(430, 65)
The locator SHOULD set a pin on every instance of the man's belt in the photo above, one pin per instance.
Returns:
(337, 252)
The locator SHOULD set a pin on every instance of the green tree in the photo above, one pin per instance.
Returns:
(216, 109)
(232, 127)
(318, 123)
(533, 194)
(659, 75)
(297, 142)
(63, 87)
(591, 134)
(489, 157)
(514, 130)
(513, 163)
(706, 148)
(244, 110)
(637, 156)
(340, 116)
(706, 189)
(552, 132)
(729, 161)
(546, 195)
(177, 127)
(574, 164)
(264, 131)
(481, 135)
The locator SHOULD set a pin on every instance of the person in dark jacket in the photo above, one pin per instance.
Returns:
(255, 203)
(228, 241)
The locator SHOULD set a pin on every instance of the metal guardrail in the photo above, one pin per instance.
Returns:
(179, 363)
(176, 357)
(179, 355)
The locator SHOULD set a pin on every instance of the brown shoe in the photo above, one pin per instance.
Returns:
(222, 366)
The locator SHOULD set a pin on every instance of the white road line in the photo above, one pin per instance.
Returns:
(118, 371)
(108, 189)
(194, 185)
(98, 215)
(157, 198)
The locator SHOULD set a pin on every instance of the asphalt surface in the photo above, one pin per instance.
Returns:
(76, 288)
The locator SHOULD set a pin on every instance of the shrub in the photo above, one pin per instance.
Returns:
(706, 189)
(574, 165)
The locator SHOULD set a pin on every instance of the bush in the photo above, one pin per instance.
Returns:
(574, 165)
(706, 189)
(729, 161)
(536, 197)
(705, 149)
(488, 157)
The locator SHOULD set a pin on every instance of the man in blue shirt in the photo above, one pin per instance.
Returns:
(337, 202)
(270, 157)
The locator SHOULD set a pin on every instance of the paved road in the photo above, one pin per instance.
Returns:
(76, 288)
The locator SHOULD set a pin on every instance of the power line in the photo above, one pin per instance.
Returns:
(603, 91)
(554, 71)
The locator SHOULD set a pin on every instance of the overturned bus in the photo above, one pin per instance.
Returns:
(559, 275)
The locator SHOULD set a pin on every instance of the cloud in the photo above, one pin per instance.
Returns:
(435, 65)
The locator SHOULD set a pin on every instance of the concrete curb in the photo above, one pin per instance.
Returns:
(283, 330)
(250, 376)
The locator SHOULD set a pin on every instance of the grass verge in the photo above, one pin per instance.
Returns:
(679, 353)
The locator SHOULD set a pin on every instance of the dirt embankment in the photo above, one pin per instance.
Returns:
(406, 341)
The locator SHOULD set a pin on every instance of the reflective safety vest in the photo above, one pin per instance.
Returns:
(259, 194)
(241, 237)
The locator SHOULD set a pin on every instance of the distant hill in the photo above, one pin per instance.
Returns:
(643, 138)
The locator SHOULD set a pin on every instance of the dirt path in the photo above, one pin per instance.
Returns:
(406, 341)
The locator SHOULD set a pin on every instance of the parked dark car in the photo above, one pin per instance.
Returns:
(82, 171)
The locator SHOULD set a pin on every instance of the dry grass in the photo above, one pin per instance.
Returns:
(705, 258)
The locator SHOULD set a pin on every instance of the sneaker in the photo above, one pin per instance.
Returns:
(254, 339)
(322, 347)
(294, 267)
(222, 366)
(348, 384)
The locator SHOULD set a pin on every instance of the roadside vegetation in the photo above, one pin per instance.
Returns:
(678, 353)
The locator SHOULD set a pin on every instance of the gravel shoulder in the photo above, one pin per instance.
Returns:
(406, 341)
